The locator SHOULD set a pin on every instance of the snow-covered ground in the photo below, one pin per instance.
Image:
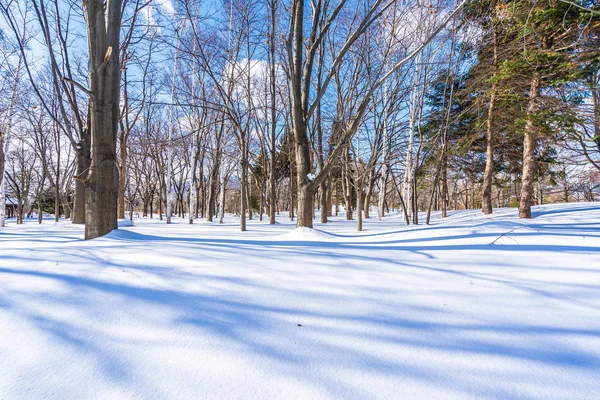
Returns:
(471, 307)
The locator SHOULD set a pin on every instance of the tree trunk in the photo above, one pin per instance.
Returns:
(323, 202)
(2, 183)
(40, 216)
(249, 195)
(359, 207)
(348, 191)
(273, 93)
(305, 206)
(57, 188)
(261, 198)
(529, 146)
(303, 165)
(223, 192)
(385, 150)
(488, 174)
(407, 187)
(444, 194)
(337, 200)
(213, 190)
(104, 83)
(243, 193)
(291, 205)
(83, 166)
(67, 209)
(122, 174)
(369, 193)
(486, 193)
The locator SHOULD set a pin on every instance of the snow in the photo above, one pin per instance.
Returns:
(471, 307)
(304, 233)
(124, 223)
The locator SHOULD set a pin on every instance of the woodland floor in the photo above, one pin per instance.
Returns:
(471, 307)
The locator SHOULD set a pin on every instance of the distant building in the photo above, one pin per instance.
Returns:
(11, 207)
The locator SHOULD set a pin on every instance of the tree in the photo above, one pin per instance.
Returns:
(104, 78)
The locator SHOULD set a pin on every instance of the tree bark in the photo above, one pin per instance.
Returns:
(122, 173)
(359, 207)
(243, 193)
(272, 175)
(213, 189)
(486, 193)
(102, 181)
(83, 167)
(529, 146)
(223, 192)
(444, 191)
(4, 138)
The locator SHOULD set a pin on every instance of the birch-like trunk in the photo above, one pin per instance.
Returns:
(170, 133)
(222, 196)
(407, 183)
(385, 150)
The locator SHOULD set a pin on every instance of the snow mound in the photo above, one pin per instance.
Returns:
(124, 223)
(304, 233)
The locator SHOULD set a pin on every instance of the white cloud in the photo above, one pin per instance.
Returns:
(165, 6)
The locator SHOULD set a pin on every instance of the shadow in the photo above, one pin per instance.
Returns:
(396, 311)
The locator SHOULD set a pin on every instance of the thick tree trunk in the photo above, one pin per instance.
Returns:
(529, 146)
(305, 206)
(104, 83)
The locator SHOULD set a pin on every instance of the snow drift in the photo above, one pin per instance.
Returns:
(471, 307)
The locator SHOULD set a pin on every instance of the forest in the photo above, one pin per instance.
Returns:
(262, 107)
(299, 199)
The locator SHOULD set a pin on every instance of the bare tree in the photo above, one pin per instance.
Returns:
(103, 27)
